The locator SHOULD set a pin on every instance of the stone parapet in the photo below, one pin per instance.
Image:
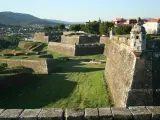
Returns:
(132, 113)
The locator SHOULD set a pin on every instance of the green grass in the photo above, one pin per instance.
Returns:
(73, 85)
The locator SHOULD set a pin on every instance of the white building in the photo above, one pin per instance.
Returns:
(152, 26)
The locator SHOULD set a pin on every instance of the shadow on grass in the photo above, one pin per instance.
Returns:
(34, 91)
(29, 91)
(73, 66)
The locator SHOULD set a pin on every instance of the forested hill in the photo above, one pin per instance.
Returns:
(10, 18)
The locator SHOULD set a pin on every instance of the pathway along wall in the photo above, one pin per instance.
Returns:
(132, 113)
(39, 66)
(126, 76)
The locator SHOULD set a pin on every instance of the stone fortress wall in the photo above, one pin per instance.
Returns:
(126, 75)
(132, 113)
(77, 45)
(66, 49)
(76, 50)
(76, 39)
(89, 49)
(41, 37)
(39, 66)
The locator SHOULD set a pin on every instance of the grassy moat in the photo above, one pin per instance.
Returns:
(72, 85)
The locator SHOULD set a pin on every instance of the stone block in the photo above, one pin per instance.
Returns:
(91, 114)
(1, 111)
(105, 114)
(121, 114)
(140, 113)
(30, 114)
(155, 110)
(10, 114)
(74, 114)
(51, 114)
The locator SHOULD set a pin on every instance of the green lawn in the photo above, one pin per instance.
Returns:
(72, 85)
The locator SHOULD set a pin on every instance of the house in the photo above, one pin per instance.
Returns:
(118, 21)
(131, 21)
(152, 26)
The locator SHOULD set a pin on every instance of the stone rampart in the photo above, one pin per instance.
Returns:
(89, 49)
(118, 40)
(126, 75)
(132, 113)
(39, 66)
(76, 50)
(41, 37)
(76, 39)
(66, 49)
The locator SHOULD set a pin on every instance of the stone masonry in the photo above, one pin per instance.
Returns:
(126, 75)
(40, 66)
(41, 37)
(132, 113)
(77, 39)
(76, 50)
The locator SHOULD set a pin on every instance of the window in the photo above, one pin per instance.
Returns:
(137, 37)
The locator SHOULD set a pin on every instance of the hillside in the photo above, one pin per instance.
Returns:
(10, 18)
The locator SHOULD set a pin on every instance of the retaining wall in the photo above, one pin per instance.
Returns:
(40, 66)
(132, 113)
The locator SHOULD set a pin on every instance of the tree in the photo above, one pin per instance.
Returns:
(61, 26)
(92, 27)
(48, 29)
(55, 28)
(105, 27)
(122, 29)
(83, 27)
(75, 27)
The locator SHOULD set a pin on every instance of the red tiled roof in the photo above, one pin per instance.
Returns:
(132, 19)
(119, 19)
(154, 20)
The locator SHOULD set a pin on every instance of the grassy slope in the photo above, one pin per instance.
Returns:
(75, 85)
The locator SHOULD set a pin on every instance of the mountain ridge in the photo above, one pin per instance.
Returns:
(12, 18)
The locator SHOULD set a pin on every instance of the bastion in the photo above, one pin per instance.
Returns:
(77, 45)
(79, 39)
(76, 49)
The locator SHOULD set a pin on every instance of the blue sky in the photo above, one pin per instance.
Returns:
(83, 10)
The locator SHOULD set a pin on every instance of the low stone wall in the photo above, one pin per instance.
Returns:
(89, 49)
(75, 39)
(66, 49)
(39, 66)
(132, 113)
